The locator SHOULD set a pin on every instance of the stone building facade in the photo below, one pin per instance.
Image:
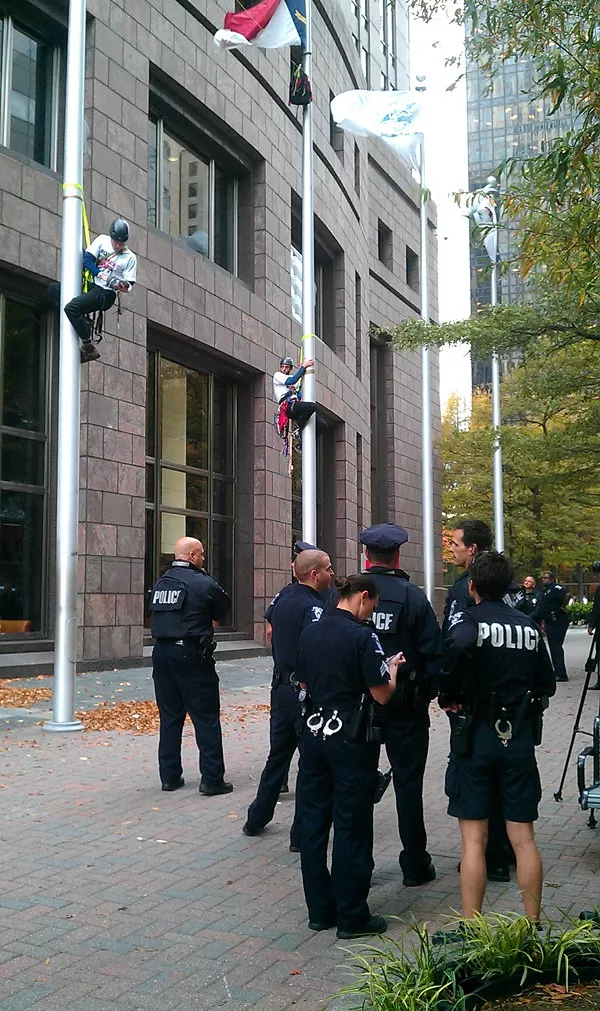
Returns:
(201, 153)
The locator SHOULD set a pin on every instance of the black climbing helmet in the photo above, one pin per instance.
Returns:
(286, 361)
(119, 230)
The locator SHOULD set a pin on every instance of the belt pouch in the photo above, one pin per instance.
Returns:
(460, 733)
(374, 733)
(276, 681)
(358, 720)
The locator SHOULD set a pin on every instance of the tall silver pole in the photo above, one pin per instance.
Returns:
(491, 188)
(67, 496)
(426, 430)
(309, 433)
(496, 422)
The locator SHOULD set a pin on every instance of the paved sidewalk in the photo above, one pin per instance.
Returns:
(115, 895)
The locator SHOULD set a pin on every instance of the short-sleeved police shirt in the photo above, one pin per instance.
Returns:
(291, 613)
(339, 660)
(330, 597)
(492, 649)
(458, 599)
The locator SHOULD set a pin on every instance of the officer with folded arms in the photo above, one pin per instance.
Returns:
(185, 604)
(495, 673)
(405, 622)
(301, 605)
(341, 664)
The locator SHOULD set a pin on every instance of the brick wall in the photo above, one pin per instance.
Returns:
(246, 322)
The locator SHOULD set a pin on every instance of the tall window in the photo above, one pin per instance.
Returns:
(23, 467)
(190, 466)
(29, 84)
(190, 195)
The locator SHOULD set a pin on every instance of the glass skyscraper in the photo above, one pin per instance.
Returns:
(506, 118)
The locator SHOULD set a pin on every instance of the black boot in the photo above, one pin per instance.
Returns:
(89, 353)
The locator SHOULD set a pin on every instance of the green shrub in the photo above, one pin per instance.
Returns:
(414, 975)
(579, 612)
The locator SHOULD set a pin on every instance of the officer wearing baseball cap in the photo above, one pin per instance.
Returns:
(405, 622)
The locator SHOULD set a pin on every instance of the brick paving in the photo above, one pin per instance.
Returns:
(117, 895)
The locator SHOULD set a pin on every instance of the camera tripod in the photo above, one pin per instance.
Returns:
(590, 666)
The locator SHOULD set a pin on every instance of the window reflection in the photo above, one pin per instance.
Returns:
(190, 467)
(23, 489)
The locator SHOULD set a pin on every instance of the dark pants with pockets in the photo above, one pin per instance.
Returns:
(407, 745)
(556, 637)
(183, 684)
(283, 738)
(97, 299)
(338, 781)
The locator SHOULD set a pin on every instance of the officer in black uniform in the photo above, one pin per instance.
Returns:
(550, 612)
(342, 666)
(405, 622)
(495, 668)
(330, 598)
(184, 604)
(594, 629)
(528, 596)
(302, 605)
(469, 538)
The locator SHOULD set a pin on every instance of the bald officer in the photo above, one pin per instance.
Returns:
(405, 623)
(184, 604)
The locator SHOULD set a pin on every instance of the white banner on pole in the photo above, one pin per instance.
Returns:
(397, 117)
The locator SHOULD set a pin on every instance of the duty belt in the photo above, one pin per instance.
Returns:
(281, 679)
(185, 640)
(506, 721)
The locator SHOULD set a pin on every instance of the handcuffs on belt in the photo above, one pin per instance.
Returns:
(316, 722)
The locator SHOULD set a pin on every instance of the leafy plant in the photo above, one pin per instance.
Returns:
(399, 978)
(415, 975)
(579, 612)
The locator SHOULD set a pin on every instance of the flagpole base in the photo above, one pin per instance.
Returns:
(53, 727)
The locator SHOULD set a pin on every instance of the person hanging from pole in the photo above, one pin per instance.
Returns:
(287, 390)
(113, 268)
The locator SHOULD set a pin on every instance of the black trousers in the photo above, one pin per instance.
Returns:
(183, 684)
(407, 745)
(556, 637)
(97, 299)
(301, 411)
(283, 738)
(337, 785)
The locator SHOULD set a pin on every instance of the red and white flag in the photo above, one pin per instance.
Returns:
(269, 24)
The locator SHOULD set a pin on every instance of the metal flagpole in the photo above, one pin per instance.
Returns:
(67, 496)
(491, 188)
(426, 431)
(309, 432)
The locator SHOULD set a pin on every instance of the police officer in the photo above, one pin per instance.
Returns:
(342, 666)
(184, 605)
(302, 605)
(495, 665)
(528, 597)
(550, 612)
(330, 598)
(470, 537)
(405, 622)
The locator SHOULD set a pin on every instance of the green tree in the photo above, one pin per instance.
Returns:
(552, 200)
(551, 451)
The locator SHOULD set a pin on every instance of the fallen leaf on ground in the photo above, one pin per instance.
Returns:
(20, 698)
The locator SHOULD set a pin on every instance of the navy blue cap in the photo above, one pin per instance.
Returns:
(384, 536)
(304, 546)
